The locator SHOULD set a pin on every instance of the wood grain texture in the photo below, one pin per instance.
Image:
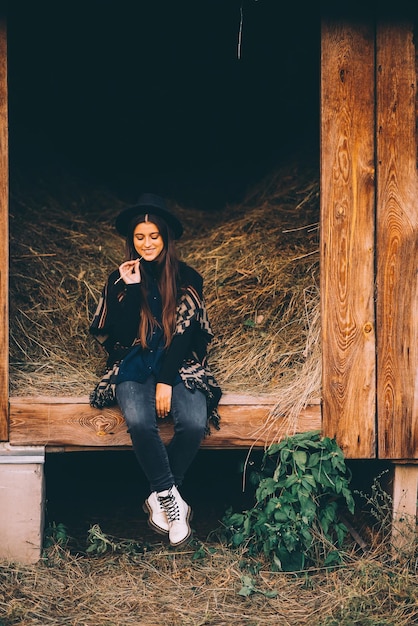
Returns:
(4, 234)
(397, 243)
(347, 236)
(72, 422)
(405, 493)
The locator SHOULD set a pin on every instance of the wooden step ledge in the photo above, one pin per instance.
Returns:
(71, 422)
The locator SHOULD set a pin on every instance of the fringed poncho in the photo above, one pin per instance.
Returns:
(115, 326)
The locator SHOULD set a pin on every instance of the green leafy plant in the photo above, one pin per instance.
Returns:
(379, 504)
(55, 534)
(302, 483)
(55, 544)
(201, 551)
(100, 543)
(249, 587)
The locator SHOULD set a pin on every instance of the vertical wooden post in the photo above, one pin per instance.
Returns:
(397, 243)
(347, 235)
(4, 234)
(405, 493)
(22, 499)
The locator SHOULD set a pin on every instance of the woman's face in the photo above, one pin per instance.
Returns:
(148, 241)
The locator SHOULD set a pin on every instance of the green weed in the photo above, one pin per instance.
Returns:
(302, 485)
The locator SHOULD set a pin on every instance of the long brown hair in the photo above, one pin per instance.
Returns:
(167, 273)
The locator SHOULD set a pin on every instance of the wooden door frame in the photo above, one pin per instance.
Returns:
(396, 241)
(348, 200)
(369, 237)
(4, 230)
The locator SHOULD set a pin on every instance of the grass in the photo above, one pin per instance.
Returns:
(204, 583)
(115, 581)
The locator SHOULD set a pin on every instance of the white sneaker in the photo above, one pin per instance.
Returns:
(178, 515)
(157, 517)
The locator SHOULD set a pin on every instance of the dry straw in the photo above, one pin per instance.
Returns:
(172, 588)
(259, 260)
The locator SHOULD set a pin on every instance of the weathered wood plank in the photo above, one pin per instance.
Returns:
(405, 493)
(4, 234)
(72, 422)
(347, 235)
(397, 243)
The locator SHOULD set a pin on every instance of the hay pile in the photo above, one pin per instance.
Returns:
(259, 261)
(218, 588)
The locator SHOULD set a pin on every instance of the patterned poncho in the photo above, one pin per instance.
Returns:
(118, 337)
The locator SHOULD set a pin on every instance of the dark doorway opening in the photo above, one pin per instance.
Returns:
(194, 100)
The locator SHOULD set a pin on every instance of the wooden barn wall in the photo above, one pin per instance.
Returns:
(369, 243)
(4, 230)
(347, 236)
(369, 238)
(397, 243)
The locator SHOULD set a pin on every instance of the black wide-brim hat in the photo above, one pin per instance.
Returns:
(151, 204)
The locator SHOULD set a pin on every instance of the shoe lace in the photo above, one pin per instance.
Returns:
(170, 506)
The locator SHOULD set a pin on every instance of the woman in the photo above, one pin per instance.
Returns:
(152, 321)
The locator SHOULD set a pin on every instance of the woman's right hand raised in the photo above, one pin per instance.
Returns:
(130, 272)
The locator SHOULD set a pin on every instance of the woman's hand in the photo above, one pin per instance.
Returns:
(129, 272)
(163, 395)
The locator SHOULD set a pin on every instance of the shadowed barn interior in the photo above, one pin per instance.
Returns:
(213, 106)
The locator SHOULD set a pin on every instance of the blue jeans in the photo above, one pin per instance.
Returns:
(163, 466)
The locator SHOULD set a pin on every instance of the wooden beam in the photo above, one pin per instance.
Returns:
(397, 243)
(347, 235)
(72, 422)
(4, 234)
(405, 493)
